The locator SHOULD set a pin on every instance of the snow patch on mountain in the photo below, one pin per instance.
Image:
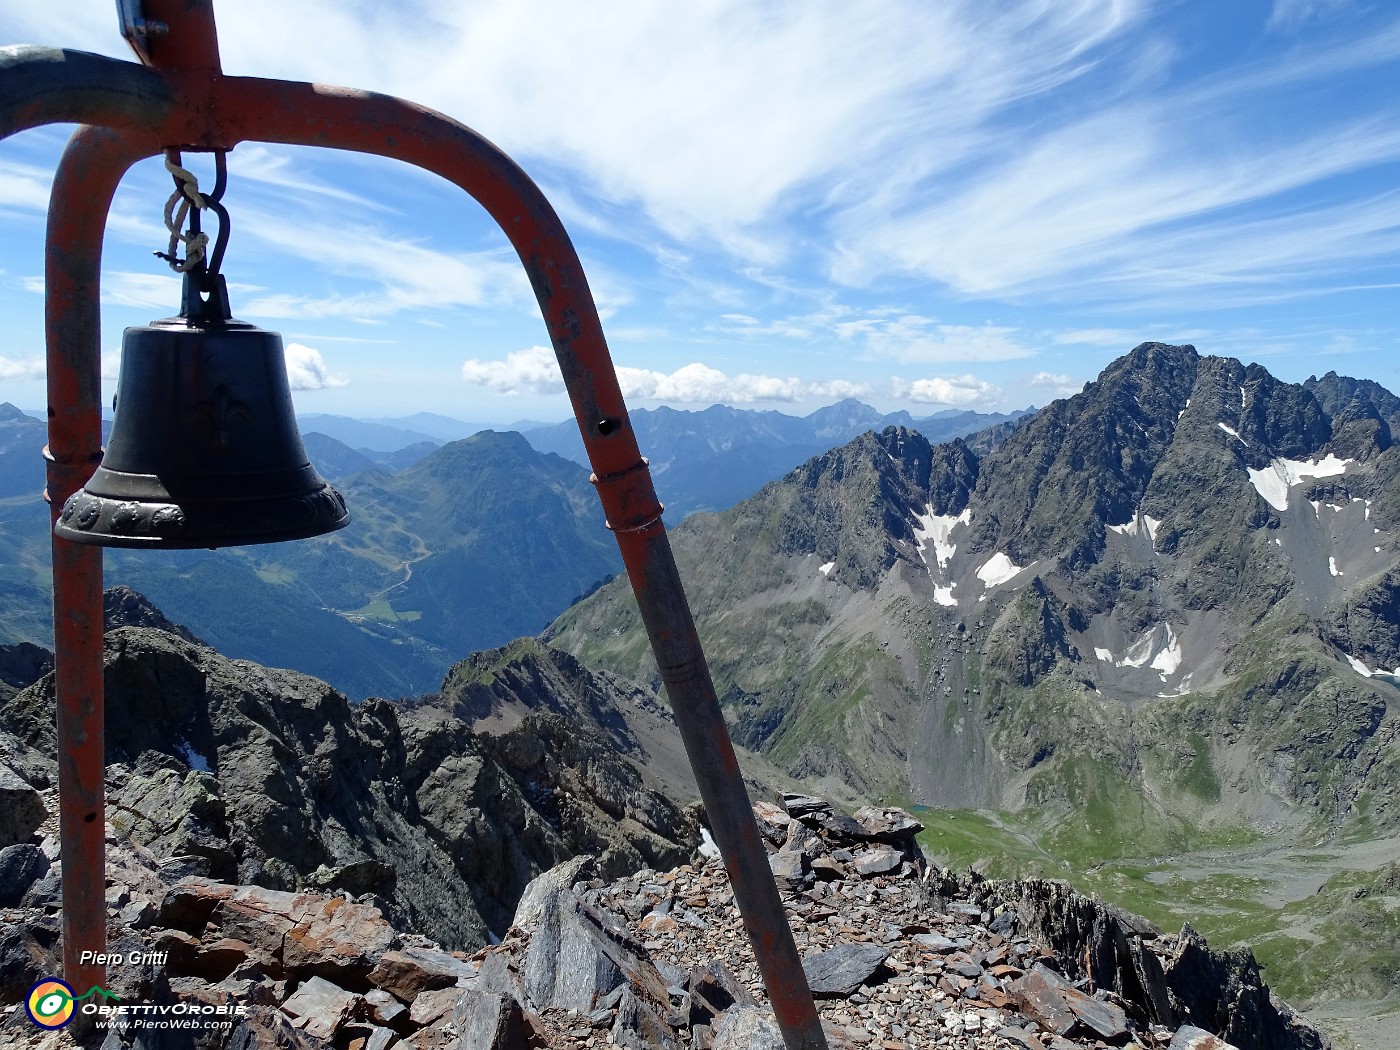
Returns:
(1274, 481)
(1366, 671)
(944, 595)
(998, 569)
(1139, 523)
(1158, 648)
(825, 570)
(1233, 433)
(935, 529)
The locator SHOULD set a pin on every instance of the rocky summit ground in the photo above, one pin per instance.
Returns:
(900, 957)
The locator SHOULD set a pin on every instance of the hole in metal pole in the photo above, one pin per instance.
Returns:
(607, 426)
(89, 818)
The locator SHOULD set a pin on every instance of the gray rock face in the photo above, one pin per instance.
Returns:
(488, 1021)
(20, 866)
(1189, 1037)
(21, 808)
(576, 958)
(748, 1028)
(545, 885)
(843, 969)
(268, 777)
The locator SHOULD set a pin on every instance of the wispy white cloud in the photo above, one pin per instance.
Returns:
(154, 290)
(24, 187)
(307, 369)
(1289, 15)
(924, 340)
(1056, 383)
(1110, 337)
(410, 275)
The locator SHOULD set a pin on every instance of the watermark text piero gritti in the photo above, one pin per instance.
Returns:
(90, 958)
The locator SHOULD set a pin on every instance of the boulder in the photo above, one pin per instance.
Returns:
(21, 808)
(488, 1021)
(877, 862)
(577, 955)
(888, 824)
(559, 877)
(747, 1028)
(1189, 1037)
(840, 971)
(406, 972)
(798, 806)
(319, 1007)
(21, 865)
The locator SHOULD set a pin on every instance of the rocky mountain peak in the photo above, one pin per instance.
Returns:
(265, 777)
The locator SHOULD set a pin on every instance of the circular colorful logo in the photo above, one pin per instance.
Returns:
(50, 1003)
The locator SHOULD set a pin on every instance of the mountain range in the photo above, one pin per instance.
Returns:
(1160, 613)
(712, 459)
(452, 547)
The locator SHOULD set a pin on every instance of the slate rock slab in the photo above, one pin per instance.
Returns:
(877, 862)
(747, 1028)
(804, 805)
(840, 971)
(320, 1007)
(577, 955)
(488, 1021)
(21, 808)
(407, 971)
(1189, 1037)
(21, 865)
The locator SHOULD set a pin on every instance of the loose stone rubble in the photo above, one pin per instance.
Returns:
(899, 956)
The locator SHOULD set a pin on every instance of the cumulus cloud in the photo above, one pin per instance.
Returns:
(535, 371)
(306, 369)
(959, 391)
(30, 366)
(531, 371)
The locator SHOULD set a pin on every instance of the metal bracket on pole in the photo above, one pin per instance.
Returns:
(137, 29)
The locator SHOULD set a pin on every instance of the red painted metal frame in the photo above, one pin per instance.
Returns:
(184, 100)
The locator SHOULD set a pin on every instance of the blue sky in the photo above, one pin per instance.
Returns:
(924, 205)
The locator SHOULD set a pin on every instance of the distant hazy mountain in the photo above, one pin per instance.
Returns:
(335, 460)
(481, 542)
(1164, 611)
(22, 439)
(710, 459)
(445, 428)
(362, 434)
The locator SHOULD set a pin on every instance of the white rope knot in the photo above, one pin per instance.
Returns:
(177, 210)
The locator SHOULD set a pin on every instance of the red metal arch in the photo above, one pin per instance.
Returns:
(183, 99)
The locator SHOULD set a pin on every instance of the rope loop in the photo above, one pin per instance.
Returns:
(185, 205)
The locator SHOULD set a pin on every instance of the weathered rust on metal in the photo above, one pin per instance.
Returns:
(45, 85)
(85, 181)
(190, 39)
(194, 106)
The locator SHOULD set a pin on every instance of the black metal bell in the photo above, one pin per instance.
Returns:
(205, 450)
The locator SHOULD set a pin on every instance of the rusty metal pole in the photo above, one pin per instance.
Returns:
(84, 184)
(86, 179)
(190, 103)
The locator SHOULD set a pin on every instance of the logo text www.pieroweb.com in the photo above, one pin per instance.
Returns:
(53, 1004)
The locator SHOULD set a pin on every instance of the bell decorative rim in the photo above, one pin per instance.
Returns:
(105, 521)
